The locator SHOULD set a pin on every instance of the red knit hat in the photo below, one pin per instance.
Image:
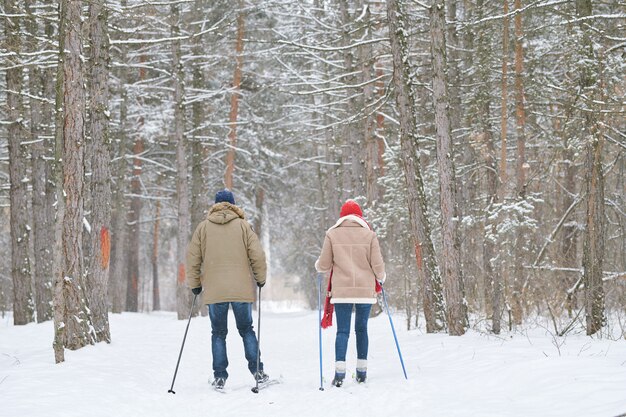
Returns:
(351, 207)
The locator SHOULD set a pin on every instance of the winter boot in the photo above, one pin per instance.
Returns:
(218, 383)
(261, 377)
(361, 376)
(340, 373)
(338, 379)
(361, 370)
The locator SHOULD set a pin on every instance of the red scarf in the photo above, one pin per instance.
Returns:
(329, 308)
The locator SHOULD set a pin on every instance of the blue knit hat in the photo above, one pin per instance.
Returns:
(225, 195)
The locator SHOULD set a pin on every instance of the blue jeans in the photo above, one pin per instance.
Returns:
(218, 313)
(343, 312)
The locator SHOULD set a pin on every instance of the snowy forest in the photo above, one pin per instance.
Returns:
(485, 140)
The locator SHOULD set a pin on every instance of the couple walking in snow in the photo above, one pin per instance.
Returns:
(224, 249)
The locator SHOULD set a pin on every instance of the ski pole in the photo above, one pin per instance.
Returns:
(393, 331)
(258, 345)
(193, 303)
(319, 324)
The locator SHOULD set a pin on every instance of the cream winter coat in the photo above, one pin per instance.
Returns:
(352, 252)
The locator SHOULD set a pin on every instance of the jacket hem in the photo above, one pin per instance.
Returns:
(352, 300)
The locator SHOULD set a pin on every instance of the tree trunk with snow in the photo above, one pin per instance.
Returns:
(23, 302)
(134, 216)
(234, 100)
(156, 296)
(183, 295)
(369, 152)
(200, 149)
(451, 259)
(98, 272)
(420, 228)
(521, 239)
(73, 323)
(119, 223)
(593, 138)
(42, 272)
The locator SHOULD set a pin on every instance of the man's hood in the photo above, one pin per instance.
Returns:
(224, 212)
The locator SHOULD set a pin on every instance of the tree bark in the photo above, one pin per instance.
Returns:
(592, 137)
(428, 271)
(42, 265)
(234, 100)
(75, 323)
(451, 267)
(521, 168)
(23, 302)
(58, 299)
(370, 143)
(497, 189)
(199, 150)
(98, 272)
(183, 295)
(156, 298)
(119, 216)
(132, 273)
(49, 119)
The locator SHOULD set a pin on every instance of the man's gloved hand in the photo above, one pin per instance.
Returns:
(196, 291)
(260, 284)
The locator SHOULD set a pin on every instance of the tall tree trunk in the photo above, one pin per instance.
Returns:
(117, 281)
(42, 273)
(134, 216)
(454, 89)
(156, 298)
(199, 150)
(369, 153)
(234, 100)
(134, 228)
(49, 119)
(497, 189)
(592, 137)
(75, 323)
(352, 149)
(58, 297)
(428, 271)
(569, 243)
(23, 302)
(119, 225)
(451, 268)
(98, 273)
(183, 295)
(521, 168)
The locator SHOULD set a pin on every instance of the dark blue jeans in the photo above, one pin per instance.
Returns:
(343, 312)
(218, 313)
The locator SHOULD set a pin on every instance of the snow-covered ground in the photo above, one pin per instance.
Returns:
(523, 374)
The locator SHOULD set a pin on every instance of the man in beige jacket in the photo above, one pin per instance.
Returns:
(223, 257)
(351, 251)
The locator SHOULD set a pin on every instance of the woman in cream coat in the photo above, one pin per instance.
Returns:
(351, 251)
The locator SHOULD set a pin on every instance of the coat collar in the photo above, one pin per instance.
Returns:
(353, 218)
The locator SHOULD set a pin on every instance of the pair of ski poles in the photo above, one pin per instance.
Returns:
(319, 310)
(258, 350)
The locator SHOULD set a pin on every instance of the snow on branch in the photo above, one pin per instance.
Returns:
(334, 48)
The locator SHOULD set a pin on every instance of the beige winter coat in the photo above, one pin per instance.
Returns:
(352, 251)
(224, 255)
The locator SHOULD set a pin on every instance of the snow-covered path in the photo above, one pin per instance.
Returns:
(474, 375)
